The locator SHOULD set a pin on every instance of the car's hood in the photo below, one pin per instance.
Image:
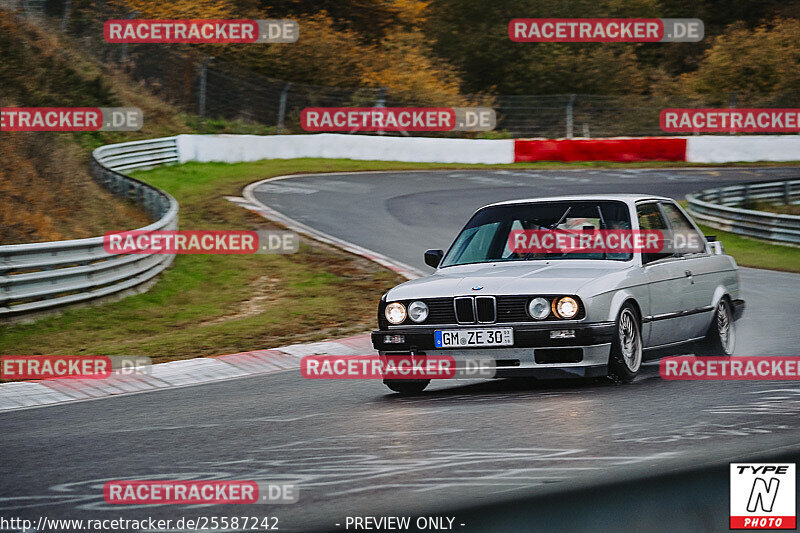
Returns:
(529, 277)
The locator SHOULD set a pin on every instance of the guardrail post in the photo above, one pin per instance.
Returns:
(720, 196)
(787, 192)
(746, 195)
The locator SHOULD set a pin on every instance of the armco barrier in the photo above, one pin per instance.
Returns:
(41, 276)
(733, 148)
(716, 208)
(696, 148)
(617, 149)
(238, 148)
(692, 149)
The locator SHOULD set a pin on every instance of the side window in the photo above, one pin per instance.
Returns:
(685, 237)
(650, 218)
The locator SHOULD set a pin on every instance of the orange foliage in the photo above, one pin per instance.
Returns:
(46, 193)
(178, 9)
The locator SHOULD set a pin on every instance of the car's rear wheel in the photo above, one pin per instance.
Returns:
(720, 340)
(407, 386)
(626, 346)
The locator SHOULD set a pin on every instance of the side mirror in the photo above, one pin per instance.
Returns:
(716, 248)
(433, 257)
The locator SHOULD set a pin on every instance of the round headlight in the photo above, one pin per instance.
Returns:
(395, 312)
(565, 307)
(418, 311)
(539, 308)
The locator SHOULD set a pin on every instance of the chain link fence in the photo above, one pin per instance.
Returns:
(250, 102)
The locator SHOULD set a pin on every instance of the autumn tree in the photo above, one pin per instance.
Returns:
(762, 66)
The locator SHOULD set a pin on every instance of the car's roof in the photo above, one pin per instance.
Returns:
(627, 198)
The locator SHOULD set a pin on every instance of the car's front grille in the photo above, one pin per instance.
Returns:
(485, 307)
(464, 310)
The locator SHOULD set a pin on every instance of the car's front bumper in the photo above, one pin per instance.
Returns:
(534, 352)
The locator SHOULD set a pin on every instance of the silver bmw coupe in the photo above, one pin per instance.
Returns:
(567, 310)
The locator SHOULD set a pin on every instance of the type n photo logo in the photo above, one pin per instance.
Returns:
(763, 496)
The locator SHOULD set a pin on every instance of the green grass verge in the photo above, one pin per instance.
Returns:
(772, 207)
(213, 304)
(755, 253)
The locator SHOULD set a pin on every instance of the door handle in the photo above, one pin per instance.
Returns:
(688, 273)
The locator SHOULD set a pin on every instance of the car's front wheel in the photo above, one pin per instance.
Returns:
(407, 386)
(626, 346)
(720, 340)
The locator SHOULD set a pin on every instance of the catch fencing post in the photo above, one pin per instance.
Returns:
(569, 115)
(65, 17)
(381, 101)
(201, 104)
(124, 53)
(282, 106)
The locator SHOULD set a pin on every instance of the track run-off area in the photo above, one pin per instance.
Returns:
(355, 449)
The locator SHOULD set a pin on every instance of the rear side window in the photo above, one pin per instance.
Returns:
(649, 216)
(692, 241)
(677, 220)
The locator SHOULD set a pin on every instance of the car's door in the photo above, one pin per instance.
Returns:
(666, 279)
(701, 275)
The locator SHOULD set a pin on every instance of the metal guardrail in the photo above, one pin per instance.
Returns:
(717, 208)
(48, 275)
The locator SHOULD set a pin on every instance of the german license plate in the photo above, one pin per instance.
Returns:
(466, 338)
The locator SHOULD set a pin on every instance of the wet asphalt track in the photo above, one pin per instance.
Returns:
(357, 450)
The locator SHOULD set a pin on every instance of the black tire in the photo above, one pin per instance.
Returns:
(625, 359)
(407, 386)
(720, 340)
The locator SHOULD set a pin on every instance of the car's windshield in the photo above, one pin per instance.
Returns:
(485, 238)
